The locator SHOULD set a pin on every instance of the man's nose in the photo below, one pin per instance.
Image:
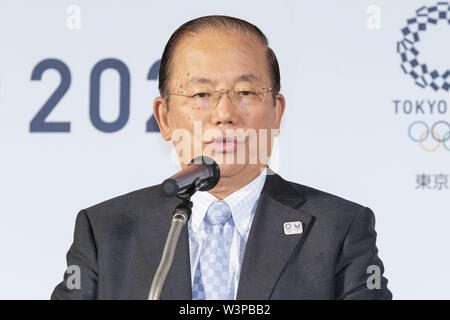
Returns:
(225, 111)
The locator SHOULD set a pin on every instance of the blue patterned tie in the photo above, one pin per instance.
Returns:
(211, 279)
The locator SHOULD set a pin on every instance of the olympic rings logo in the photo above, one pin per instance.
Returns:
(422, 74)
(433, 132)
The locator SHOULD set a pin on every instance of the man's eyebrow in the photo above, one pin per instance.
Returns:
(248, 77)
(198, 80)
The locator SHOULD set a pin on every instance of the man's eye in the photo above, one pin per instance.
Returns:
(246, 93)
(201, 95)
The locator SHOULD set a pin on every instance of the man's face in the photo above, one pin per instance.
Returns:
(213, 60)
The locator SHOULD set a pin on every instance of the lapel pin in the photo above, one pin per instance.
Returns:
(293, 227)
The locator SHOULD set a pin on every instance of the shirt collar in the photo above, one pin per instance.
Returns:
(242, 203)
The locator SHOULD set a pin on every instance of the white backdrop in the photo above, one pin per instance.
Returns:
(341, 133)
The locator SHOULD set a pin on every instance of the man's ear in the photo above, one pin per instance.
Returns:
(161, 115)
(280, 104)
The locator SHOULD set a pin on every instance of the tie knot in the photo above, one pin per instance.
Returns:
(218, 213)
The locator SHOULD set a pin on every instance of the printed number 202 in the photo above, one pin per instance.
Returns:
(39, 123)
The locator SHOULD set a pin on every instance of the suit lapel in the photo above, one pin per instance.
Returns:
(153, 224)
(268, 249)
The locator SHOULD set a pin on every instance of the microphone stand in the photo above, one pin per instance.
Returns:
(181, 215)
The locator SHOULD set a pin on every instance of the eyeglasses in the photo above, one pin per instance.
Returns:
(209, 99)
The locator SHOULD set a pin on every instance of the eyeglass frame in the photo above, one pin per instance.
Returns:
(183, 93)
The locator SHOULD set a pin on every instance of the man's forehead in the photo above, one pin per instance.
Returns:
(218, 48)
(210, 57)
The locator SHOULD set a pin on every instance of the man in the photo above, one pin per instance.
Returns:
(254, 235)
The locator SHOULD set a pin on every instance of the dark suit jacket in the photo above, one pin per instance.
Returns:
(118, 245)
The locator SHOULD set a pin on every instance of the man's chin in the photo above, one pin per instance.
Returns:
(229, 170)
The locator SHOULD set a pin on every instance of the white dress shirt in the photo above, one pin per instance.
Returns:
(242, 204)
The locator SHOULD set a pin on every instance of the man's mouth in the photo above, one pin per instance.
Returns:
(223, 144)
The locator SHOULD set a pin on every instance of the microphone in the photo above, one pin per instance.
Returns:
(201, 174)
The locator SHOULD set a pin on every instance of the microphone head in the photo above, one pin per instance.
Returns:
(212, 181)
(202, 174)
